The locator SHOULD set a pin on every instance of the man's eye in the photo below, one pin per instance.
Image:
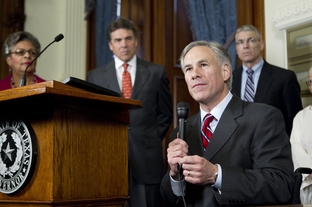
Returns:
(239, 42)
(252, 40)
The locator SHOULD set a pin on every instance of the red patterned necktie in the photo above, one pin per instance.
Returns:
(206, 130)
(126, 82)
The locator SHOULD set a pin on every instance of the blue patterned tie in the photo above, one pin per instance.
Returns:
(250, 87)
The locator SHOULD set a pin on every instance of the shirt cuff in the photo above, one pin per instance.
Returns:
(218, 182)
(178, 187)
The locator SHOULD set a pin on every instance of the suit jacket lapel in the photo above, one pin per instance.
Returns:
(227, 121)
(109, 79)
(140, 78)
(264, 83)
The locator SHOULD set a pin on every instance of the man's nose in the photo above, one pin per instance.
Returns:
(195, 73)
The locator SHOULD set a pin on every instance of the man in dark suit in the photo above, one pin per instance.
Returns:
(275, 86)
(149, 124)
(248, 158)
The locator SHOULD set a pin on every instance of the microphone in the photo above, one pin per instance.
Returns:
(56, 39)
(183, 109)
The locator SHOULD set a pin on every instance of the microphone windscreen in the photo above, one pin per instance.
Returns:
(58, 37)
(183, 110)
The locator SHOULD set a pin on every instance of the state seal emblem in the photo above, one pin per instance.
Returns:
(18, 154)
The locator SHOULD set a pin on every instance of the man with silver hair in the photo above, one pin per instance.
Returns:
(271, 84)
(243, 158)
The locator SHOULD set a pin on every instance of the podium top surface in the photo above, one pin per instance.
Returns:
(55, 88)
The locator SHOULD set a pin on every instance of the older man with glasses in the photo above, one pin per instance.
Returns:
(258, 81)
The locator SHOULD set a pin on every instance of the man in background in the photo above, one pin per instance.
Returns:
(258, 81)
(135, 78)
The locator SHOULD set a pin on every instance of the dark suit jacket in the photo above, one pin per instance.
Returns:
(149, 124)
(277, 87)
(253, 149)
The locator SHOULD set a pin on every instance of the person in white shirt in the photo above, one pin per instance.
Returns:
(301, 145)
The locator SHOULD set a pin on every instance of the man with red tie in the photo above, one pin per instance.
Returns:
(135, 78)
(234, 152)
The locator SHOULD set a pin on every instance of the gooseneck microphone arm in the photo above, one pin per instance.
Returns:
(56, 39)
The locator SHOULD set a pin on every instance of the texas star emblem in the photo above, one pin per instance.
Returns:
(17, 156)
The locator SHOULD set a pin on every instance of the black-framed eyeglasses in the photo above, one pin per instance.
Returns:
(309, 82)
(249, 41)
(22, 52)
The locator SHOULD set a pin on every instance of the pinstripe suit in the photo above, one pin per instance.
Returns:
(252, 147)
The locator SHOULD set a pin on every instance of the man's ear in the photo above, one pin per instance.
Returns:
(226, 71)
(261, 45)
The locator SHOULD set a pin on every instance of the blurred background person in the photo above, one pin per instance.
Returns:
(19, 49)
(301, 145)
(271, 85)
(136, 78)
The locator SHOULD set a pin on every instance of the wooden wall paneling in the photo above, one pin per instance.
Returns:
(134, 10)
(158, 46)
(244, 11)
(259, 21)
(12, 19)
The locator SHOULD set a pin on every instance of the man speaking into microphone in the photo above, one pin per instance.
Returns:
(234, 152)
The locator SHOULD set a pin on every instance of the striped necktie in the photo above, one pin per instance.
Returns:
(206, 131)
(250, 87)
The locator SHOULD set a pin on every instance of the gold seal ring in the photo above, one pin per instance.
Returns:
(188, 173)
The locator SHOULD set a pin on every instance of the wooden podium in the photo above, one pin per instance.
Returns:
(82, 145)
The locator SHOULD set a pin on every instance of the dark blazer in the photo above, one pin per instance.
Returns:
(277, 87)
(253, 149)
(149, 124)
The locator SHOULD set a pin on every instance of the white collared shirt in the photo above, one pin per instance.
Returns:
(132, 67)
(217, 111)
(256, 75)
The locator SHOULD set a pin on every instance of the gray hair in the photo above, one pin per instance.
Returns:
(16, 37)
(220, 52)
(251, 28)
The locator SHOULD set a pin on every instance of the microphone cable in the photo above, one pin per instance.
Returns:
(181, 186)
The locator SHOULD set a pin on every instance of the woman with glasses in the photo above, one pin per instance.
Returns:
(301, 145)
(19, 50)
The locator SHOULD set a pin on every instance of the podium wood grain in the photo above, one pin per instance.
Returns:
(82, 145)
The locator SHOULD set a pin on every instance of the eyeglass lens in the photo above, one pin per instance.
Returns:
(309, 82)
(22, 52)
